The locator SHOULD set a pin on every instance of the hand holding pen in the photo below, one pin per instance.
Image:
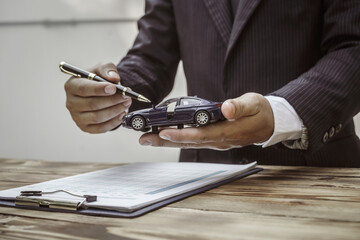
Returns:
(96, 106)
(81, 73)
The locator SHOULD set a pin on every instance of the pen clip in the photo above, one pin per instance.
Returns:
(68, 72)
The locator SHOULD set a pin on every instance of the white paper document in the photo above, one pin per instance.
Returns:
(130, 187)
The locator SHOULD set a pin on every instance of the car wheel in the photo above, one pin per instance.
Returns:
(202, 118)
(138, 123)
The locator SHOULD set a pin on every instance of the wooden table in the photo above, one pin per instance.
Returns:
(277, 203)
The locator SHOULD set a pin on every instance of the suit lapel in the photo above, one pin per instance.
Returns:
(221, 15)
(245, 10)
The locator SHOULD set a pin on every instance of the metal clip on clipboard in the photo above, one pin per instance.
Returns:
(25, 200)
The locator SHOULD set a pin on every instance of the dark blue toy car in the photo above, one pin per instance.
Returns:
(175, 112)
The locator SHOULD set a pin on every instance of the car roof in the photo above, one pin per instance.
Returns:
(184, 97)
(190, 97)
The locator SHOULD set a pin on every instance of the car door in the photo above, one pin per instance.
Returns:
(184, 112)
(163, 113)
(157, 115)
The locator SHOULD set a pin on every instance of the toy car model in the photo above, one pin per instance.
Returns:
(175, 112)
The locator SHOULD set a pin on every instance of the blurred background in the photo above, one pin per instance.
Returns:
(35, 35)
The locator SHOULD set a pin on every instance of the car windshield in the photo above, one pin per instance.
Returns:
(167, 102)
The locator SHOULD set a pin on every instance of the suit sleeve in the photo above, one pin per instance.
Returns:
(328, 94)
(150, 65)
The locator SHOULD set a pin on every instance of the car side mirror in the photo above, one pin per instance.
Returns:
(153, 106)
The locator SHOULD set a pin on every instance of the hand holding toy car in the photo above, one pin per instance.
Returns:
(96, 108)
(249, 120)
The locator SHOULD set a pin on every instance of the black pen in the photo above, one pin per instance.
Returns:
(80, 73)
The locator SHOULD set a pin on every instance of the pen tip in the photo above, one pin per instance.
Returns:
(143, 99)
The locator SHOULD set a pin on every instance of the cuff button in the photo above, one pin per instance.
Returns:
(338, 128)
(331, 132)
(325, 137)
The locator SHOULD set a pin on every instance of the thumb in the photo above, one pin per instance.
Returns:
(245, 105)
(108, 71)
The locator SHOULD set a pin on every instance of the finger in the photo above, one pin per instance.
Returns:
(85, 88)
(234, 133)
(75, 103)
(96, 117)
(245, 105)
(105, 126)
(207, 134)
(150, 139)
(108, 71)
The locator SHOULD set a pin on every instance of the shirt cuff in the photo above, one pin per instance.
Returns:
(287, 123)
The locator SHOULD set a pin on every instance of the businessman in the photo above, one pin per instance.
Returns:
(287, 71)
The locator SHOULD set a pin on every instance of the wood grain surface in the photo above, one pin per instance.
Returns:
(277, 203)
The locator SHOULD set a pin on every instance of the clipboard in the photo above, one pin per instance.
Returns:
(60, 206)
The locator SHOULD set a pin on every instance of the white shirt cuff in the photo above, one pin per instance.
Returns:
(287, 123)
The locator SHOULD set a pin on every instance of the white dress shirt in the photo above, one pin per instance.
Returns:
(288, 127)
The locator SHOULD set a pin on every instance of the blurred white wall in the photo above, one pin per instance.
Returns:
(35, 35)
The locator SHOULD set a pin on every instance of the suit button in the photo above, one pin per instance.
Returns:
(331, 132)
(338, 128)
(325, 137)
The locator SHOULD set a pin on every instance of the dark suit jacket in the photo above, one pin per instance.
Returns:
(306, 51)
